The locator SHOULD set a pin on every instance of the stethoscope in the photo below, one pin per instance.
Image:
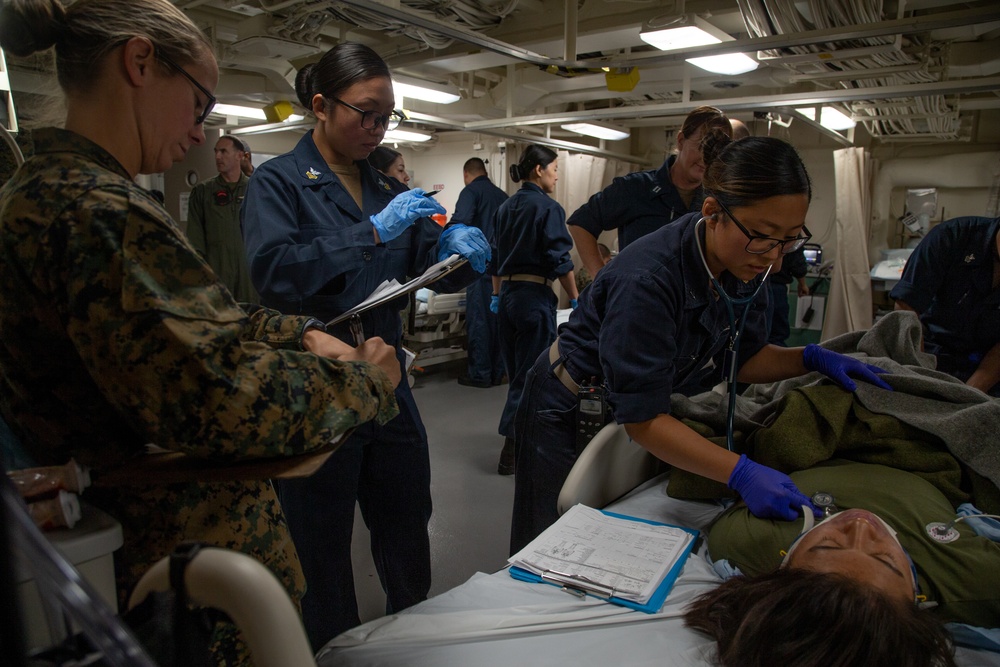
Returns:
(735, 331)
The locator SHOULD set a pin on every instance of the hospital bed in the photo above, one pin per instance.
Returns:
(493, 619)
(436, 327)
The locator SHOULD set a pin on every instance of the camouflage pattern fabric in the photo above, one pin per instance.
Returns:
(115, 333)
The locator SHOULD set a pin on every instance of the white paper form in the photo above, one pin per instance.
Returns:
(391, 289)
(590, 550)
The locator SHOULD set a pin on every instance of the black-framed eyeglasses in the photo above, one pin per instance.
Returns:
(758, 245)
(209, 105)
(372, 119)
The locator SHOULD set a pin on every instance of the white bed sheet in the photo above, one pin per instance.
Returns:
(495, 620)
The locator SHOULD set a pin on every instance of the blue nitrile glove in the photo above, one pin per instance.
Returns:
(467, 242)
(768, 493)
(838, 367)
(403, 211)
(573, 303)
(495, 304)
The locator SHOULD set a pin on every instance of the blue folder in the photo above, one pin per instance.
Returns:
(655, 601)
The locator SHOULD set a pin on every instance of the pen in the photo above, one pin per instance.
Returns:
(431, 193)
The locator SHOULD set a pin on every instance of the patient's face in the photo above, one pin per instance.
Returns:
(856, 544)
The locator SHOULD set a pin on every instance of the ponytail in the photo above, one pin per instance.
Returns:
(533, 156)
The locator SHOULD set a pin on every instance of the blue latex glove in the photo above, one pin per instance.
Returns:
(467, 242)
(838, 367)
(495, 304)
(403, 211)
(768, 493)
(573, 303)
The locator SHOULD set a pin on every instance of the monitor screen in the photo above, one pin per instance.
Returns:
(813, 254)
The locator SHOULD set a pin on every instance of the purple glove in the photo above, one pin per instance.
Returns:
(838, 367)
(495, 304)
(768, 493)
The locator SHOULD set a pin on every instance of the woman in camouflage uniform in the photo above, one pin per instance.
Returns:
(116, 333)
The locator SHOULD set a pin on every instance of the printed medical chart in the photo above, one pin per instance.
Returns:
(592, 551)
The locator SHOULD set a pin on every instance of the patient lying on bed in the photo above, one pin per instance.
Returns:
(867, 586)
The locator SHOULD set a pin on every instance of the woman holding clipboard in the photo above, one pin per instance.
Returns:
(323, 230)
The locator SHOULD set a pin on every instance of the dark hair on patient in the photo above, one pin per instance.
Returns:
(533, 156)
(340, 68)
(799, 618)
(86, 31)
(382, 157)
(739, 173)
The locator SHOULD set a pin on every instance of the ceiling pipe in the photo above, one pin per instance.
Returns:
(569, 30)
(802, 99)
(913, 24)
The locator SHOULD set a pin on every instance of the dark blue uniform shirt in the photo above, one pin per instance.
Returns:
(649, 325)
(312, 251)
(477, 204)
(949, 280)
(636, 204)
(530, 235)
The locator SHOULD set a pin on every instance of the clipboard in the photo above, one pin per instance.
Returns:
(580, 586)
(384, 294)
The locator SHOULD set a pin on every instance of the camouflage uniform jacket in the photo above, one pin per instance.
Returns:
(115, 333)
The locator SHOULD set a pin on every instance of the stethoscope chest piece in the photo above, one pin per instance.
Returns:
(942, 532)
(824, 501)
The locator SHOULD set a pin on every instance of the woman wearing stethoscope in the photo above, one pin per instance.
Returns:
(653, 324)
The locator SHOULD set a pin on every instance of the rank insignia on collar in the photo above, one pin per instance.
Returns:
(312, 174)
(970, 258)
(385, 186)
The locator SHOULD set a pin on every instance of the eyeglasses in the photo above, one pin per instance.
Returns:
(758, 245)
(209, 105)
(372, 119)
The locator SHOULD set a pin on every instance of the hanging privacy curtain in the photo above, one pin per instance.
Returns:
(849, 307)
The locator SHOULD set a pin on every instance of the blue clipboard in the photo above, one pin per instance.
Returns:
(655, 601)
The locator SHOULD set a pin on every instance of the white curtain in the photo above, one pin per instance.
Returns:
(849, 305)
(580, 176)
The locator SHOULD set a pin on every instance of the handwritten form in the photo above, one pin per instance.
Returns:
(608, 555)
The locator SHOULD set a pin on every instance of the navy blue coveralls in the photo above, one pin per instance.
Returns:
(647, 327)
(949, 280)
(312, 251)
(477, 204)
(530, 241)
(635, 204)
(793, 267)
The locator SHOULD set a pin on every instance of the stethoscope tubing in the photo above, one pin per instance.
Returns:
(735, 331)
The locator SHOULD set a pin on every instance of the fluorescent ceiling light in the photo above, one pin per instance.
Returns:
(248, 112)
(830, 118)
(729, 63)
(690, 30)
(404, 86)
(593, 128)
(399, 135)
(684, 32)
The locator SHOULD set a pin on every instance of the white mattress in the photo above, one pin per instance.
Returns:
(494, 620)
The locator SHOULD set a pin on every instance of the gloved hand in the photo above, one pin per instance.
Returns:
(768, 493)
(573, 303)
(403, 211)
(838, 367)
(495, 304)
(468, 242)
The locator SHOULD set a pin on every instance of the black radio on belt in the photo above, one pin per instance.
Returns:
(591, 414)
